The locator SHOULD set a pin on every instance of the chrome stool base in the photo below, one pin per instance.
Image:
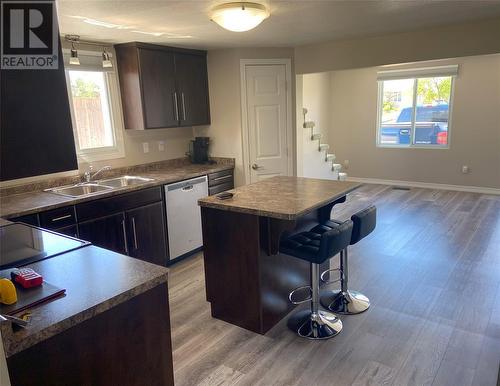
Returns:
(323, 325)
(346, 303)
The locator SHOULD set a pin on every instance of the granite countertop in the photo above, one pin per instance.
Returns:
(95, 280)
(280, 197)
(20, 204)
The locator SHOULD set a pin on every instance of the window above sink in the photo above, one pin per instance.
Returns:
(95, 107)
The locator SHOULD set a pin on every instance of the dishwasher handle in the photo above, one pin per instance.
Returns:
(187, 188)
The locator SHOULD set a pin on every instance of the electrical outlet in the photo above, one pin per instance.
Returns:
(346, 164)
(161, 145)
(145, 147)
(465, 169)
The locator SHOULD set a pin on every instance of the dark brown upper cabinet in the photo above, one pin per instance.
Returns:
(36, 133)
(162, 86)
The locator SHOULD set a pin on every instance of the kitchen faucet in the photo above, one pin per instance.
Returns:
(88, 176)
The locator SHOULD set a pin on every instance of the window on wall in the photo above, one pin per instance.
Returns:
(95, 109)
(414, 107)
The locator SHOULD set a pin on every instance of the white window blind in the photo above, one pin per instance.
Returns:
(425, 72)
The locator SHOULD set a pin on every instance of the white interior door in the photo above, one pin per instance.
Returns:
(267, 120)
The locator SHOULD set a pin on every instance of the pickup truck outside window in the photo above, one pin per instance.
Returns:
(414, 112)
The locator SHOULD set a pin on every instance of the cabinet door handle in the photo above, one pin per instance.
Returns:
(124, 236)
(61, 218)
(176, 105)
(183, 107)
(135, 234)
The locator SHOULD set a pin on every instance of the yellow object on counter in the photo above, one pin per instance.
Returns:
(8, 294)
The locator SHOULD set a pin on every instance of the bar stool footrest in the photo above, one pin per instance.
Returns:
(327, 281)
(290, 295)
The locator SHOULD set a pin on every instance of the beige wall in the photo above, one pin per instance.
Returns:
(225, 107)
(316, 98)
(428, 44)
(474, 132)
(176, 145)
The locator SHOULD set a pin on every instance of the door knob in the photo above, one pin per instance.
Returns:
(255, 167)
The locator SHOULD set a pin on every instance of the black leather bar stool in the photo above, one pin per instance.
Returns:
(316, 249)
(346, 301)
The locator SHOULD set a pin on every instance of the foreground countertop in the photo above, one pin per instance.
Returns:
(281, 197)
(21, 204)
(95, 280)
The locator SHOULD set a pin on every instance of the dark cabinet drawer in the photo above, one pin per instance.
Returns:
(31, 219)
(220, 188)
(58, 218)
(107, 206)
(222, 177)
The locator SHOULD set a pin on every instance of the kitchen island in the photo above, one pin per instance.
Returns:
(111, 327)
(247, 279)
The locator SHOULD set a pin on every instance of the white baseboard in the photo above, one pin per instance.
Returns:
(427, 185)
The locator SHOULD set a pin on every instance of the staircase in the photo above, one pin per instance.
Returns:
(323, 149)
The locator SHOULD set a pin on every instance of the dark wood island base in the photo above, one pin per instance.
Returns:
(247, 285)
(247, 280)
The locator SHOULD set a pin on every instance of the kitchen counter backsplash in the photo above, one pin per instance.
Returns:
(115, 172)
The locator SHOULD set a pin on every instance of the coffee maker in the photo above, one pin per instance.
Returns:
(198, 150)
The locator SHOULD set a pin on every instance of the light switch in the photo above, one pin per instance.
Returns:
(145, 147)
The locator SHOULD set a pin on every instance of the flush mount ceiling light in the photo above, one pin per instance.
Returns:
(239, 16)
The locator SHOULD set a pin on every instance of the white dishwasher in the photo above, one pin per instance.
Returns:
(184, 215)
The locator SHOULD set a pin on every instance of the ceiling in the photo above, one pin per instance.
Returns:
(292, 23)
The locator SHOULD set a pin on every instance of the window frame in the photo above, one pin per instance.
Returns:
(115, 109)
(416, 74)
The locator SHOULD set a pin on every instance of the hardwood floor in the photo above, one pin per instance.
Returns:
(432, 272)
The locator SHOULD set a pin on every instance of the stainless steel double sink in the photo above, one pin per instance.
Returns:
(96, 187)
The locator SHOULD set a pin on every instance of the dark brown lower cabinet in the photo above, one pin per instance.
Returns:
(107, 232)
(146, 233)
(131, 223)
(128, 344)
